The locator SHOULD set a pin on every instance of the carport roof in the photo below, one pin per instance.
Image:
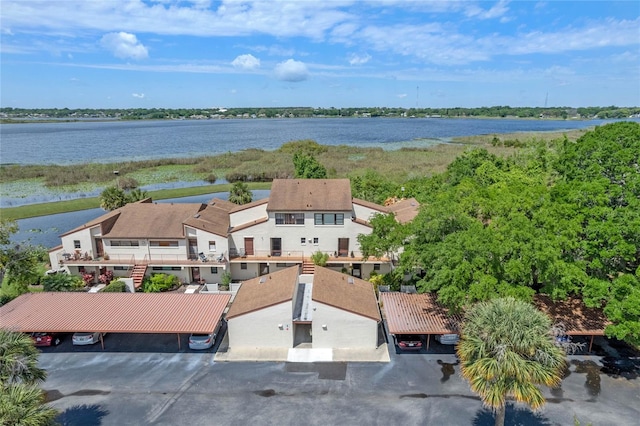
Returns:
(574, 315)
(417, 314)
(114, 312)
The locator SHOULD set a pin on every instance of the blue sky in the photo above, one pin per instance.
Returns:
(331, 53)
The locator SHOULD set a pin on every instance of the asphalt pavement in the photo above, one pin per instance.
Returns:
(152, 381)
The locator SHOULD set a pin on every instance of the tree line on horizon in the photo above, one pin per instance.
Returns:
(605, 112)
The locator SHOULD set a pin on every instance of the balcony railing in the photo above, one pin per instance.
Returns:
(128, 259)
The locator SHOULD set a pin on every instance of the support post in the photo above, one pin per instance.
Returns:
(428, 340)
(102, 340)
(178, 334)
(591, 343)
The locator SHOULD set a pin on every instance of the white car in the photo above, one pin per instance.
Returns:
(448, 339)
(199, 341)
(86, 338)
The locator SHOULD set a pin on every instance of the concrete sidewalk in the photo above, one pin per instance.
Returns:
(227, 354)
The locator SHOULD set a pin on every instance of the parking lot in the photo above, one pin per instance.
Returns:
(146, 379)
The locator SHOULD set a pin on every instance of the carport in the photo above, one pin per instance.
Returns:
(418, 314)
(68, 312)
(574, 316)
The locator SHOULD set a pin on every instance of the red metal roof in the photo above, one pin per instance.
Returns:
(114, 312)
(417, 314)
(574, 315)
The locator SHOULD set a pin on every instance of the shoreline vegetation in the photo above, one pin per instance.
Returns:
(255, 167)
(10, 115)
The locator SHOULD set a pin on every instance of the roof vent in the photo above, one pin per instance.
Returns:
(196, 215)
(263, 280)
(350, 280)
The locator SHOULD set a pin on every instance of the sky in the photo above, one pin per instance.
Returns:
(330, 53)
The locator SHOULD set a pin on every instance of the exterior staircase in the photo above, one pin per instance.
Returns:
(137, 273)
(308, 268)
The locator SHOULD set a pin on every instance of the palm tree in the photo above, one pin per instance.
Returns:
(21, 401)
(137, 195)
(19, 359)
(22, 404)
(240, 194)
(506, 349)
(112, 198)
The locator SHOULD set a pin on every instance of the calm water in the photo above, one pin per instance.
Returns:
(82, 142)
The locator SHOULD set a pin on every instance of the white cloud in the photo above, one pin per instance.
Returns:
(402, 95)
(247, 62)
(138, 95)
(292, 71)
(124, 45)
(359, 59)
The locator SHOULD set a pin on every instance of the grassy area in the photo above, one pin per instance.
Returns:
(43, 209)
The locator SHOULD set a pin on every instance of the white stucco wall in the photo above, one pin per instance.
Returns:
(85, 238)
(364, 213)
(291, 236)
(248, 215)
(262, 328)
(343, 329)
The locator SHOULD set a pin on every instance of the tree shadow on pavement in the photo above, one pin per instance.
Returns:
(513, 416)
(82, 415)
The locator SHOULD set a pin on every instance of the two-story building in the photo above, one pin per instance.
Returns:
(200, 242)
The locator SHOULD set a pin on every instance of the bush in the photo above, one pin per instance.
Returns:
(319, 258)
(160, 282)
(106, 278)
(116, 286)
(62, 282)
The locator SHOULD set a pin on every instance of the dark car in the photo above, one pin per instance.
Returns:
(409, 342)
(46, 339)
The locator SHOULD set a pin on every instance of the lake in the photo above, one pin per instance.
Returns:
(113, 141)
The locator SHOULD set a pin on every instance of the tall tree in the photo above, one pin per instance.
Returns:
(21, 401)
(113, 198)
(307, 167)
(507, 348)
(240, 194)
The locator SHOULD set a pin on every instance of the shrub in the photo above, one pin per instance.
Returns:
(226, 278)
(62, 282)
(87, 279)
(319, 258)
(106, 278)
(116, 286)
(160, 282)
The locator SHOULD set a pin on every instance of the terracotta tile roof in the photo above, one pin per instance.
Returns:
(405, 210)
(417, 314)
(65, 312)
(213, 218)
(574, 315)
(345, 292)
(310, 195)
(264, 291)
(150, 220)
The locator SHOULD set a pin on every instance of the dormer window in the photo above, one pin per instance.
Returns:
(289, 218)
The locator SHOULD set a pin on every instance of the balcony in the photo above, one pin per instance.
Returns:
(128, 259)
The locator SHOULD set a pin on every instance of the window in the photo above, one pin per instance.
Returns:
(376, 266)
(315, 241)
(120, 268)
(166, 268)
(243, 265)
(281, 265)
(329, 218)
(289, 218)
(212, 246)
(303, 241)
(214, 270)
(125, 243)
(163, 243)
(76, 244)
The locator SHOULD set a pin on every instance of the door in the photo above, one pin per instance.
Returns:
(193, 249)
(263, 268)
(343, 247)
(248, 246)
(99, 248)
(276, 247)
(195, 275)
